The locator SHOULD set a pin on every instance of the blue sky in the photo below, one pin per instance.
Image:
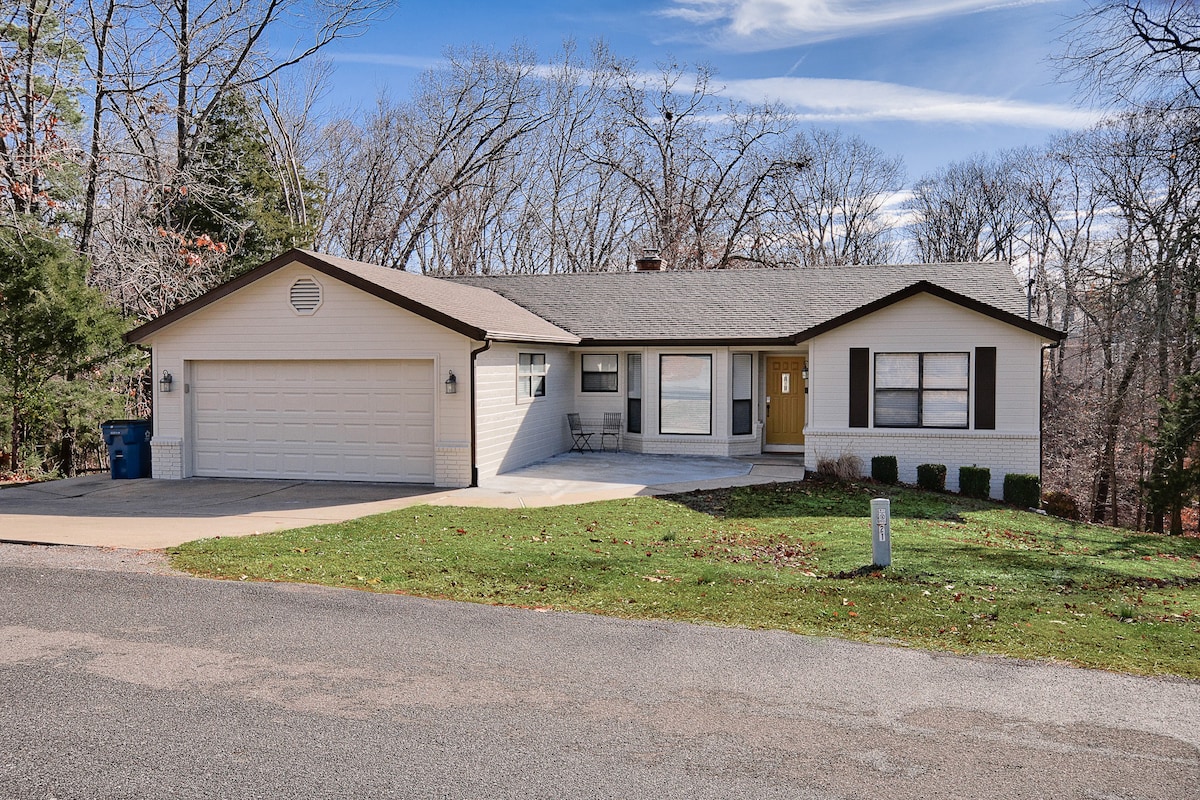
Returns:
(930, 80)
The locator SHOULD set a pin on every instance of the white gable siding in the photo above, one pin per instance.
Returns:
(258, 322)
(928, 324)
(511, 432)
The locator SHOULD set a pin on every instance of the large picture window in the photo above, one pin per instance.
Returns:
(599, 372)
(685, 394)
(922, 390)
(531, 375)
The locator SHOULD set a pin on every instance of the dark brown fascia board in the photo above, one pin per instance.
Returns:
(925, 287)
(313, 262)
(715, 342)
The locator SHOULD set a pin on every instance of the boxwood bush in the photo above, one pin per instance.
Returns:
(932, 477)
(885, 469)
(975, 482)
(1023, 491)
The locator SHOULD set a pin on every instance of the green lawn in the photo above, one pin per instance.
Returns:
(967, 577)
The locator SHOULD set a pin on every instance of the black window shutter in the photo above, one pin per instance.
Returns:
(985, 388)
(860, 386)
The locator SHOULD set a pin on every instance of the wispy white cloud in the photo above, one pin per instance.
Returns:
(767, 24)
(827, 100)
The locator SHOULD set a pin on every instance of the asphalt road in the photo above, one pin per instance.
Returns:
(120, 680)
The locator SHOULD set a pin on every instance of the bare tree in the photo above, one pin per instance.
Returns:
(966, 212)
(295, 139)
(829, 209)
(40, 62)
(695, 163)
(396, 174)
(160, 71)
(1135, 52)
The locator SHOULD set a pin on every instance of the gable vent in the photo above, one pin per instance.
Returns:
(305, 296)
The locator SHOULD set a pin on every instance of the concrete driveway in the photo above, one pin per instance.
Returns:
(148, 514)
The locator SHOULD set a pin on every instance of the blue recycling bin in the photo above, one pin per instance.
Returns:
(128, 443)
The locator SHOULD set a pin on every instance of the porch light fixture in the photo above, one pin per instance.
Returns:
(451, 384)
(164, 383)
(804, 372)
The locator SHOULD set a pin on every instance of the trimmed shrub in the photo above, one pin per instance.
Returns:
(846, 467)
(1061, 504)
(932, 477)
(885, 469)
(975, 482)
(1023, 491)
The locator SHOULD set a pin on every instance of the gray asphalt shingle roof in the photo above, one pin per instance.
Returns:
(496, 317)
(746, 306)
(750, 305)
(473, 311)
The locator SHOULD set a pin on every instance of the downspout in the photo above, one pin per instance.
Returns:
(487, 343)
(1041, 409)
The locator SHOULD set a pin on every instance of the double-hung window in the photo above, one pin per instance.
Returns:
(598, 372)
(531, 375)
(922, 390)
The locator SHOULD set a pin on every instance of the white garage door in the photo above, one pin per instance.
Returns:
(324, 420)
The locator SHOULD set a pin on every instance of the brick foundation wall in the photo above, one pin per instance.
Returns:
(452, 466)
(166, 457)
(1002, 453)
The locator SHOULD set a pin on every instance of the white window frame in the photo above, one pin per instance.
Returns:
(923, 389)
(527, 371)
(666, 426)
(584, 372)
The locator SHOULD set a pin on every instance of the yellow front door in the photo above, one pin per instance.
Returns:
(785, 395)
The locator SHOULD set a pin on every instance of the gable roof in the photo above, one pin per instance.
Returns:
(743, 306)
(752, 306)
(475, 312)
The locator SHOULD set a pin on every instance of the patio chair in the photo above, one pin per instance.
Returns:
(583, 439)
(612, 427)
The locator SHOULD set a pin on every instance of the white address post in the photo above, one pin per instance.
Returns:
(881, 532)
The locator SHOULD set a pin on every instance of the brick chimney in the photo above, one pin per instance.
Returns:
(649, 262)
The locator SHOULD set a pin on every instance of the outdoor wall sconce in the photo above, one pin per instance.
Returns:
(164, 383)
(451, 383)
(804, 372)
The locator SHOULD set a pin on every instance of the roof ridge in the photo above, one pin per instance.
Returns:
(723, 271)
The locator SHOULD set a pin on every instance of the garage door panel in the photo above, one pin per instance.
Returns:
(314, 419)
(327, 433)
(294, 402)
(419, 434)
(294, 433)
(362, 435)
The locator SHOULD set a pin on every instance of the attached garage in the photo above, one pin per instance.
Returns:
(313, 367)
(370, 420)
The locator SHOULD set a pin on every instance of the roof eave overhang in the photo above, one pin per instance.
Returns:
(316, 263)
(518, 338)
(773, 341)
(925, 287)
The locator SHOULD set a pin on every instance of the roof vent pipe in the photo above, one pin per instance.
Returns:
(649, 262)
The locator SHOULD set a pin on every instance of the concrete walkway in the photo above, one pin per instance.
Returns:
(97, 511)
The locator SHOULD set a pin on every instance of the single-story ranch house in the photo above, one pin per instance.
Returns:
(318, 367)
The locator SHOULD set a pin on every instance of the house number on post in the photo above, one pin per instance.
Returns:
(881, 532)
